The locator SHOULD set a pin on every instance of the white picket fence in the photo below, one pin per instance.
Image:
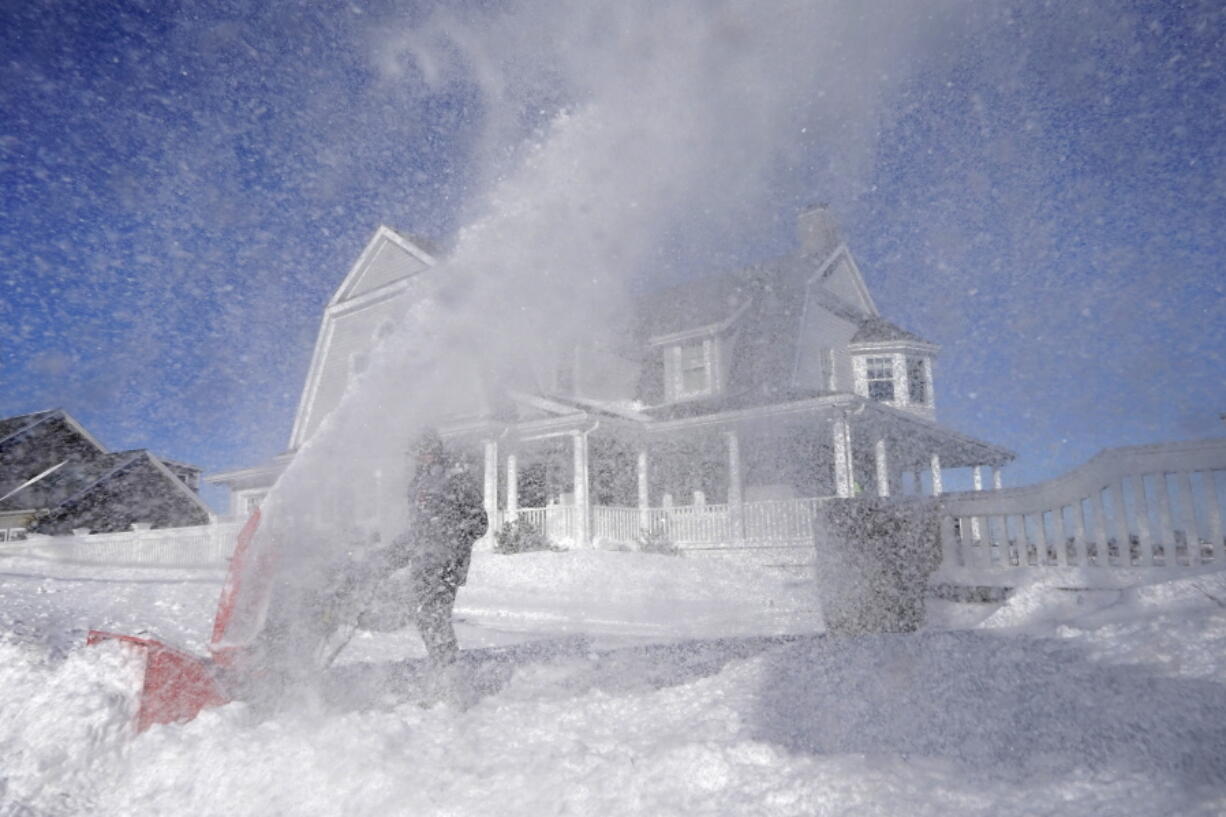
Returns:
(197, 546)
(1127, 516)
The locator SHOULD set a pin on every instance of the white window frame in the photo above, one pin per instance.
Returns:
(902, 359)
(675, 372)
(880, 363)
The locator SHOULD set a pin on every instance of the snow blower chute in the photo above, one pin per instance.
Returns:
(178, 684)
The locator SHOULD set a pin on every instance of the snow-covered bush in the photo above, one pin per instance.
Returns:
(521, 537)
(873, 563)
(657, 540)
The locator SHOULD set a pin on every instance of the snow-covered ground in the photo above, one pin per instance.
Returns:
(615, 684)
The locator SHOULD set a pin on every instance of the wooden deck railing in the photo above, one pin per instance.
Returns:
(1142, 508)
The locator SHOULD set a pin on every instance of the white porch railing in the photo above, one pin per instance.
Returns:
(197, 546)
(1127, 513)
(775, 522)
(557, 522)
(692, 524)
(781, 520)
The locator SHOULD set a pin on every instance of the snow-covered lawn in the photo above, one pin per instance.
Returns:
(621, 684)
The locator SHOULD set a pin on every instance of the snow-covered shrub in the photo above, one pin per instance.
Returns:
(873, 562)
(657, 540)
(521, 537)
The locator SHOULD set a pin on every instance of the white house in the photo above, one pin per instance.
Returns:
(736, 404)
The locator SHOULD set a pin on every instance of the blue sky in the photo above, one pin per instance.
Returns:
(183, 185)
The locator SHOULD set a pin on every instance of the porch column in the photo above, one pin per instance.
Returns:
(977, 484)
(490, 493)
(582, 504)
(997, 484)
(736, 516)
(936, 474)
(843, 476)
(883, 469)
(512, 487)
(644, 495)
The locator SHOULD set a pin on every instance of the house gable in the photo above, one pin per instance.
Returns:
(367, 305)
(388, 257)
(840, 276)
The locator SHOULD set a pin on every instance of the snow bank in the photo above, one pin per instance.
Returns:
(934, 724)
(64, 723)
(609, 591)
(1107, 709)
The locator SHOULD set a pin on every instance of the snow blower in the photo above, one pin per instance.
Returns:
(177, 684)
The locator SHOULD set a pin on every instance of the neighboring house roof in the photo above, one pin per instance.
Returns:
(66, 481)
(95, 489)
(13, 427)
(46, 465)
(877, 330)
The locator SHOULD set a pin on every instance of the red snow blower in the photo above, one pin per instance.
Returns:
(178, 684)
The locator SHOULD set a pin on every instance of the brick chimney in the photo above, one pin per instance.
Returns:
(817, 231)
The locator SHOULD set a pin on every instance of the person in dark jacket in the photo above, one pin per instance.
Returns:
(446, 516)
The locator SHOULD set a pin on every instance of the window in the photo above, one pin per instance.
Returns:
(693, 369)
(917, 380)
(689, 369)
(879, 373)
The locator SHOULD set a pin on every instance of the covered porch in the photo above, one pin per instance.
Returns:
(749, 478)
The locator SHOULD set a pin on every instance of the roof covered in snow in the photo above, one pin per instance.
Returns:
(878, 329)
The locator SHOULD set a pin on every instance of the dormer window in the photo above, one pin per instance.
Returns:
(695, 369)
(893, 366)
(879, 375)
(690, 369)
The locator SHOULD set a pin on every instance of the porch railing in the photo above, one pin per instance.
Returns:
(557, 522)
(773, 522)
(781, 520)
(1143, 508)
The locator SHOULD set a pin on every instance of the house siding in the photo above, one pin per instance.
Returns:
(352, 334)
(822, 330)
